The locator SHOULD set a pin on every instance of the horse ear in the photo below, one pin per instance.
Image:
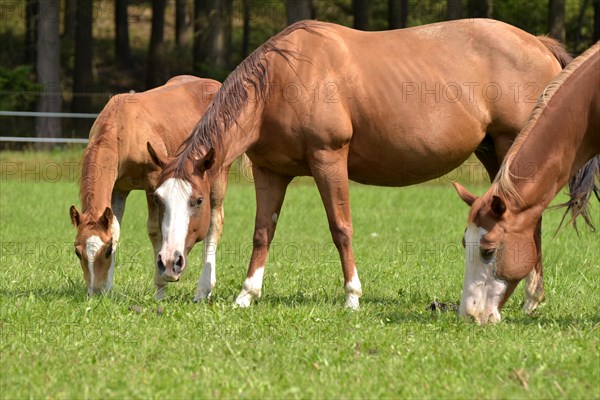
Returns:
(498, 206)
(160, 161)
(106, 218)
(206, 162)
(464, 194)
(75, 220)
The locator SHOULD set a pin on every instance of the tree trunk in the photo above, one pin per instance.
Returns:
(212, 36)
(82, 71)
(246, 28)
(298, 10)
(454, 10)
(556, 19)
(397, 14)
(180, 25)
(360, 9)
(480, 8)
(122, 49)
(31, 27)
(70, 19)
(596, 20)
(48, 68)
(156, 53)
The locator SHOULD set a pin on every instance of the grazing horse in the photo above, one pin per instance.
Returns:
(562, 134)
(116, 161)
(389, 108)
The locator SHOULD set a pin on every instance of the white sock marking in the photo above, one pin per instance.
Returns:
(251, 288)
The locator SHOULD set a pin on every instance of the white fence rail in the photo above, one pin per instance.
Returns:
(30, 139)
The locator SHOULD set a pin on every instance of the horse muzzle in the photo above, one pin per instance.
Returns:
(170, 268)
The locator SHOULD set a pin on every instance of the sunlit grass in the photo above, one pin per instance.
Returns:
(297, 341)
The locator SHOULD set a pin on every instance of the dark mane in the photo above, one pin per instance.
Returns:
(231, 99)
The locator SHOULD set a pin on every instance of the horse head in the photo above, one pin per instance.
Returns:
(500, 251)
(183, 200)
(95, 245)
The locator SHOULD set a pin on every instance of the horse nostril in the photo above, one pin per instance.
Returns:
(160, 265)
(179, 262)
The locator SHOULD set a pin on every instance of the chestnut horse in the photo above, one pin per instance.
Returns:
(390, 108)
(116, 162)
(563, 133)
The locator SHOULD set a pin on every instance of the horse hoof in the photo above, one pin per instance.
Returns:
(201, 295)
(244, 300)
(160, 295)
(352, 302)
(530, 306)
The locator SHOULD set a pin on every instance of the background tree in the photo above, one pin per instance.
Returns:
(454, 9)
(48, 67)
(180, 22)
(246, 12)
(82, 71)
(397, 14)
(360, 9)
(122, 49)
(156, 54)
(480, 8)
(70, 18)
(31, 25)
(596, 20)
(212, 40)
(556, 19)
(297, 10)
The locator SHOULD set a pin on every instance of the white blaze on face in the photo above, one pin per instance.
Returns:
(92, 246)
(175, 194)
(482, 292)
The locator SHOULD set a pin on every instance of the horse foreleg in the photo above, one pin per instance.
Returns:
(208, 279)
(118, 199)
(270, 190)
(155, 236)
(534, 282)
(330, 171)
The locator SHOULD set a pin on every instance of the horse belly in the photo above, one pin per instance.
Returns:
(404, 159)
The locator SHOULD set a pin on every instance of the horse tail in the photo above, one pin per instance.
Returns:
(557, 49)
(581, 187)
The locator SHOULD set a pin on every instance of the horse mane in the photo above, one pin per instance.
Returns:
(580, 185)
(101, 139)
(231, 99)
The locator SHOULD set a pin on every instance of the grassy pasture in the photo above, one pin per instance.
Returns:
(297, 341)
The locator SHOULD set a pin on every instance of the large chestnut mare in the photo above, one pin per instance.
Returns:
(390, 108)
(116, 162)
(563, 133)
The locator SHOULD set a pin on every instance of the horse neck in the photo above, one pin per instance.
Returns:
(241, 135)
(98, 176)
(558, 144)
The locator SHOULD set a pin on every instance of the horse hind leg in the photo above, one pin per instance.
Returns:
(270, 191)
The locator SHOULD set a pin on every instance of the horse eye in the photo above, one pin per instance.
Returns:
(109, 249)
(78, 254)
(199, 201)
(487, 254)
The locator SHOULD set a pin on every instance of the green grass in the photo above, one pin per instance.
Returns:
(298, 341)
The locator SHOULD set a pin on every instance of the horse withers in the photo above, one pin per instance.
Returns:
(561, 137)
(390, 108)
(116, 161)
